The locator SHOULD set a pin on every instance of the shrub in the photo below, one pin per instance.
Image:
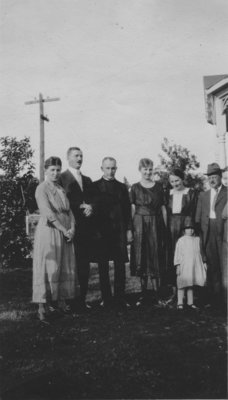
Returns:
(17, 187)
(176, 156)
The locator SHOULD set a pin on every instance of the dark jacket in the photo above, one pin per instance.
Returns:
(112, 218)
(189, 201)
(203, 211)
(76, 197)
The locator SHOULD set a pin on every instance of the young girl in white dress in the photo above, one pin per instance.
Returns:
(190, 265)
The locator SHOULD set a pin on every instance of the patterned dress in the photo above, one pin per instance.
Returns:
(54, 273)
(146, 228)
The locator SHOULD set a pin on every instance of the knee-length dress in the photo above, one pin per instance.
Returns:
(54, 269)
(148, 203)
(187, 206)
(188, 256)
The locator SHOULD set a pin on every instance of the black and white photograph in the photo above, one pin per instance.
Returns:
(113, 199)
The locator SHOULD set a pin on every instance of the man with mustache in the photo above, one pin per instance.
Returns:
(78, 190)
(209, 218)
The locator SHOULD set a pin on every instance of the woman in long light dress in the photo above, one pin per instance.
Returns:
(54, 272)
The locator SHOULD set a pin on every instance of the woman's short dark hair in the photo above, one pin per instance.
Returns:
(53, 161)
(177, 172)
(145, 163)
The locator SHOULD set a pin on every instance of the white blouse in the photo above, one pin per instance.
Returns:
(177, 199)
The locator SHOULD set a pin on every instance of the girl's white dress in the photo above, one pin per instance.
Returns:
(192, 271)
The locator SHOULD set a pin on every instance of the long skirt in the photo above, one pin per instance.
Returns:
(145, 251)
(175, 227)
(54, 269)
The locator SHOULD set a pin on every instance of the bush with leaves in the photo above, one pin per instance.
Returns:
(17, 188)
(176, 156)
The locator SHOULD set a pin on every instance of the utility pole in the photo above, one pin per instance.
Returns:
(42, 119)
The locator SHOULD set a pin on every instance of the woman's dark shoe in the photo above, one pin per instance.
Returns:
(160, 304)
(121, 305)
(106, 304)
(140, 302)
(54, 312)
(84, 308)
(67, 310)
(192, 307)
(171, 301)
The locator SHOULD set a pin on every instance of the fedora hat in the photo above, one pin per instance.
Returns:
(213, 169)
(188, 223)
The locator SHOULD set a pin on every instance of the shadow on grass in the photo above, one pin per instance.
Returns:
(140, 353)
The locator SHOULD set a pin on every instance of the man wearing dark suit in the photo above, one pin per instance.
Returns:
(78, 190)
(113, 224)
(209, 219)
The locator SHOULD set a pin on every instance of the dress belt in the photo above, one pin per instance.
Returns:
(144, 212)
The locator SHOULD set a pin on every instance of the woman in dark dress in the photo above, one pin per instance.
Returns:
(181, 203)
(147, 201)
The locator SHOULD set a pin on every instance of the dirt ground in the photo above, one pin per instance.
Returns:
(141, 353)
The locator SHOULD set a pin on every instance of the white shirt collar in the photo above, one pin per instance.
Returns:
(180, 192)
(217, 190)
(75, 171)
(77, 176)
(106, 179)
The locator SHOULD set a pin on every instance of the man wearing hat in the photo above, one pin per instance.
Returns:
(209, 219)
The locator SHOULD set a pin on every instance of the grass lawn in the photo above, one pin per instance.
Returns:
(139, 354)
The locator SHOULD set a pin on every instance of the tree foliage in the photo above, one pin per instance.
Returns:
(16, 156)
(176, 156)
(17, 187)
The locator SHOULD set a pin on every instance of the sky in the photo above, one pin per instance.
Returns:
(128, 73)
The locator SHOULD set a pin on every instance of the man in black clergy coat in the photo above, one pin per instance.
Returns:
(78, 189)
(113, 225)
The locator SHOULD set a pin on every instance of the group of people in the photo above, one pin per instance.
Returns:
(177, 239)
